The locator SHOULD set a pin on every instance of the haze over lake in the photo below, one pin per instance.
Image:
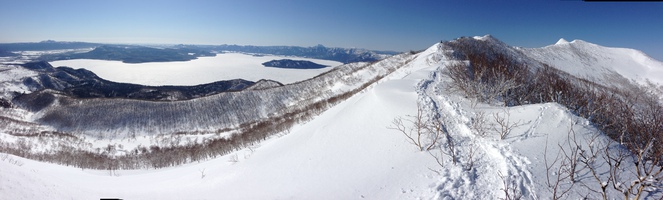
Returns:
(202, 70)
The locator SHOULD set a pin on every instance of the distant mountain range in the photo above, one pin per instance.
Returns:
(46, 46)
(344, 55)
(142, 54)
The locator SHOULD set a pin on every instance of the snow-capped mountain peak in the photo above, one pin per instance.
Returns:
(599, 63)
(562, 41)
(484, 38)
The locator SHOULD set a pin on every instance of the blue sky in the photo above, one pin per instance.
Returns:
(374, 24)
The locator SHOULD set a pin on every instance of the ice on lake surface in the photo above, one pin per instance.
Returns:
(202, 70)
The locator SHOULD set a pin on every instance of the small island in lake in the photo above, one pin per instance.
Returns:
(293, 64)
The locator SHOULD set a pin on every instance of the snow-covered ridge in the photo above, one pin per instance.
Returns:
(607, 66)
(561, 41)
(604, 65)
(101, 117)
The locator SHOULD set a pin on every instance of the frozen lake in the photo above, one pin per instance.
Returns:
(202, 70)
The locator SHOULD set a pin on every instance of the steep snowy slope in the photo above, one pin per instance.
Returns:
(346, 152)
(228, 110)
(598, 63)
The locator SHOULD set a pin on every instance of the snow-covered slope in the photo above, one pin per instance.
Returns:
(348, 152)
(11, 80)
(99, 117)
(598, 63)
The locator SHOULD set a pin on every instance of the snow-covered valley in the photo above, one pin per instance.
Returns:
(352, 151)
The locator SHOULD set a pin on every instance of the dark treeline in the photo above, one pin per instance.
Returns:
(630, 114)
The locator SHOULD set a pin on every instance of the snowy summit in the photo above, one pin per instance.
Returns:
(561, 41)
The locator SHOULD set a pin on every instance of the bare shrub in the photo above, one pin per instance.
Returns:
(438, 159)
(510, 189)
(503, 125)
(436, 130)
(202, 173)
(427, 133)
(646, 167)
(589, 158)
(479, 124)
(608, 164)
(233, 158)
(564, 167)
(472, 157)
(571, 156)
(415, 128)
(10, 160)
(451, 150)
(558, 178)
(489, 76)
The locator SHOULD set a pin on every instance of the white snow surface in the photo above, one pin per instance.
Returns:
(599, 63)
(11, 80)
(346, 152)
(203, 70)
(561, 41)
